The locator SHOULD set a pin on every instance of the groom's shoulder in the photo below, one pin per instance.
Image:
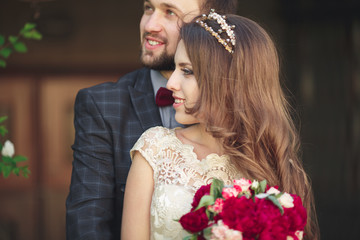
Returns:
(117, 91)
(134, 76)
(122, 84)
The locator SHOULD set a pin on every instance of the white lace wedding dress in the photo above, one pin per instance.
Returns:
(177, 175)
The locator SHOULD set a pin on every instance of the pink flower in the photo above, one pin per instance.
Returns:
(242, 185)
(229, 192)
(218, 205)
(219, 231)
(223, 232)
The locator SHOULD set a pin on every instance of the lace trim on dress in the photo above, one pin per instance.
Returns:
(178, 174)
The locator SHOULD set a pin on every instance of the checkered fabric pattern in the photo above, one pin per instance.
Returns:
(109, 118)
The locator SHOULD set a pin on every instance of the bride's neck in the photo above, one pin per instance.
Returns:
(202, 140)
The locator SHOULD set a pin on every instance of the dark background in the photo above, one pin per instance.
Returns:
(86, 42)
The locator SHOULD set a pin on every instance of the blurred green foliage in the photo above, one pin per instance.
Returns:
(9, 162)
(11, 44)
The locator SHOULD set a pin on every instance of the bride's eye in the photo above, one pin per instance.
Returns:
(187, 71)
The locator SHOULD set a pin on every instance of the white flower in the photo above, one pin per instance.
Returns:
(243, 183)
(299, 234)
(286, 200)
(8, 149)
(273, 190)
(223, 232)
(255, 184)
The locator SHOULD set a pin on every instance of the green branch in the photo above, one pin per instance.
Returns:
(8, 162)
(14, 44)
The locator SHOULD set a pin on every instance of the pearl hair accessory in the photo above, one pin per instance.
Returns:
(229, 42)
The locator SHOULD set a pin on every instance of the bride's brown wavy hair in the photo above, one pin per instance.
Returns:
(242, 103)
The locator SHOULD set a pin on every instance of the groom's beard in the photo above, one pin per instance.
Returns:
(161, 61)
(164, 62)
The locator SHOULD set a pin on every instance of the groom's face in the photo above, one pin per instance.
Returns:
(159, 30)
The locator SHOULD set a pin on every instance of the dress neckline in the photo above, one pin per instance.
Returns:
(191, 148)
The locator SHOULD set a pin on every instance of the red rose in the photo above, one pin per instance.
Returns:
(275, 230)
(277, 226)
(296, 216)
(267, 212)
(195, 221)
(204, 190)
(240, 214)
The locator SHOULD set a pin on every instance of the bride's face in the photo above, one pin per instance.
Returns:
(184, 86)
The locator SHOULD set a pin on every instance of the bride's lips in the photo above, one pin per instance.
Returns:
(153, 43)
(178, 101)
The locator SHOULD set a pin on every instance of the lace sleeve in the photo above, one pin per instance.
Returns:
(148, 145)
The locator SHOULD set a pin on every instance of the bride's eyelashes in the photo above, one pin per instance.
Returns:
(187, 71)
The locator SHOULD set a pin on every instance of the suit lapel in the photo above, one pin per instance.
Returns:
(143, 100)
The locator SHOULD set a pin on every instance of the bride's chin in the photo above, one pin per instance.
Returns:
(186, 120)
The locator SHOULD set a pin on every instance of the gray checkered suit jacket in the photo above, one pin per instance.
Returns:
(109, 118)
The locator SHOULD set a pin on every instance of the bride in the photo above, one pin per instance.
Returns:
(226, 88)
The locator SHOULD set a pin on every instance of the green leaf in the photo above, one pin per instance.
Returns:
(2, 63)
(191, 237)
(6, 170)
(33, 35)
(207, 233)
(7, 160)
(16, 171)
(3, 119)
(2, 40)
(262, 186)
(13, 39)
(3, 130)
(206, 200)
(5, 52)
(19, 159)
(262, 195)
(216, 188)
(276, 203)
(25, 171)
(20, 47)
(37, 35)
(28, 27)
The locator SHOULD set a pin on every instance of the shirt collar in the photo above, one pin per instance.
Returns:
(157, 80)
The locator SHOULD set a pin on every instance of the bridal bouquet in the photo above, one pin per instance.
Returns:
(246, 210)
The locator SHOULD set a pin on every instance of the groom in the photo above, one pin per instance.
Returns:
(110, 117)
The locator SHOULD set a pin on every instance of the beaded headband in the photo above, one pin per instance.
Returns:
(229, 42)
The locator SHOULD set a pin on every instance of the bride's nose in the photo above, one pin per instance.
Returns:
(173, 83)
